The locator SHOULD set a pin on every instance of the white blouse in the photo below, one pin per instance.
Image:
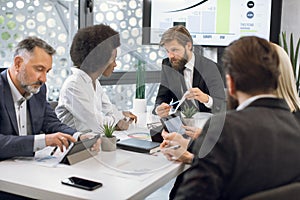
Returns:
(82, 107)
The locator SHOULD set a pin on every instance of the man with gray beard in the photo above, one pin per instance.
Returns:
(27, 121)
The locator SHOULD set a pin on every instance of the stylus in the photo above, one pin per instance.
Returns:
(53, 151)
(171, 147)
(173, 103)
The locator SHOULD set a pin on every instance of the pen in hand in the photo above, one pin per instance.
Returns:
(170, 147)
(53, 151)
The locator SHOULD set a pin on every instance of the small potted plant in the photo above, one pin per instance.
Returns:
(188, 113)
(108, 140)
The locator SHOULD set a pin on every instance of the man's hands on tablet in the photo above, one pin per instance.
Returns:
(59, 140)
(180, 154)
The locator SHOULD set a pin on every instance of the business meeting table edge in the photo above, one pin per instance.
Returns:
(41, 182)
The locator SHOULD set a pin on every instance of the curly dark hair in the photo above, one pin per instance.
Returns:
(92, 47)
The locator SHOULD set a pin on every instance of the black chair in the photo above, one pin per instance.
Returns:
(289, 192)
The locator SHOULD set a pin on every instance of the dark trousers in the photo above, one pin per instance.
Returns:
(9, 196)
(176, 186)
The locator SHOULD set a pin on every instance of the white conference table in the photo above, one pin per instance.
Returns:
(124, 175)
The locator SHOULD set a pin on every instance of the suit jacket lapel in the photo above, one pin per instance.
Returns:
(196, 75)
(197, 79)
(9, 103)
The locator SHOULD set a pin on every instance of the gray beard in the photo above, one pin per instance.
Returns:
(30, 89)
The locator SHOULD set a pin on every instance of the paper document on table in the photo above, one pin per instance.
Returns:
(43, 157)
(179, 104)
(129, 163)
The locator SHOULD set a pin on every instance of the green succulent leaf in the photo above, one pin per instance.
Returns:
(108, 129)
(293, 54)
(189, 112)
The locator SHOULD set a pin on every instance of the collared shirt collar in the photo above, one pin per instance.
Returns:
(252, 99)
(17, 97)
(82, 74)
(190, 65)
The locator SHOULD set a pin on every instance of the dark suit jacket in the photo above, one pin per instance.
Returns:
(206, 77)
(297, 114)
(42, 116)
(258, 149)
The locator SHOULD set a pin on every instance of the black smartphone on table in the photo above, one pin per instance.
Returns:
(81, 183)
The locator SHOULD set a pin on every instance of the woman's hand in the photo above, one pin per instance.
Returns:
(130, 115)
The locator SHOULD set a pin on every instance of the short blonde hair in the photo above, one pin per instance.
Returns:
(287, 83)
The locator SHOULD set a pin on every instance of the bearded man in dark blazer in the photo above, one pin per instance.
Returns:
(27, 121)
(186, 70)
(255, 147)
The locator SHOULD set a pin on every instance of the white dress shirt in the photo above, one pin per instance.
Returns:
(188, 74)
(251, 99)
(82, 107)
(20, 104)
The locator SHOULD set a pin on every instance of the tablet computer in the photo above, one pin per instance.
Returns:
(141, 146)
(173, 123)
(77, 147)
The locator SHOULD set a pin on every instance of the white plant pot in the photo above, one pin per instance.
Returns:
(201, 118)
(108, 144)
(139, 105)
(189, 121)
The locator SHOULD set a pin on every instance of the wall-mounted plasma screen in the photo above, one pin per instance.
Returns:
(212, 22)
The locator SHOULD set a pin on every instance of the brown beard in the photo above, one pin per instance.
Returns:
(179, 64)
(232, 103)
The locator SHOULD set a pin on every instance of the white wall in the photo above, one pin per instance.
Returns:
(290, 19)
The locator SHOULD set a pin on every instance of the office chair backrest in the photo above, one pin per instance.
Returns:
(290, 192)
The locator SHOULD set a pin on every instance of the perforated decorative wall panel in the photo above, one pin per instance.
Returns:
(49, 20)
(56, 22)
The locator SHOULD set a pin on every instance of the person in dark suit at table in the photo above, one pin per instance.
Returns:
(27, 121)
(186, 70)
(257, 146)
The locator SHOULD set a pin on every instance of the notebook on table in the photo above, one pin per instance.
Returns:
(141, 146)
